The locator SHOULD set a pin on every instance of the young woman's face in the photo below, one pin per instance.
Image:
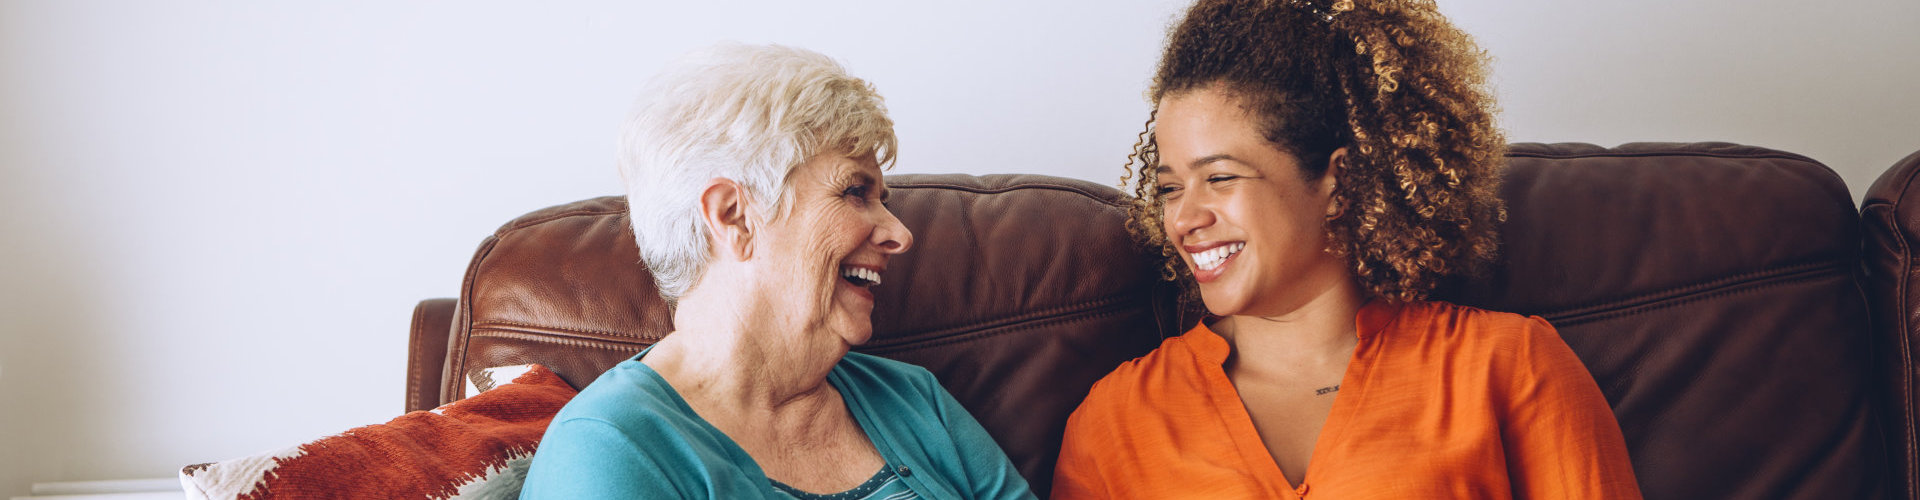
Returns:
(1240, 212)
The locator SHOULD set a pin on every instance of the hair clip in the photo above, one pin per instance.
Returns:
(1325, 15)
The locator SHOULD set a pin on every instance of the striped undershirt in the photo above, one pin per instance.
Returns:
(884, 485)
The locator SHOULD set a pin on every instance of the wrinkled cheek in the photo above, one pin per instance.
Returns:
(820, 275)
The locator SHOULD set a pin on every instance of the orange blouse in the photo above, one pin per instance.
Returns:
(1439, 401)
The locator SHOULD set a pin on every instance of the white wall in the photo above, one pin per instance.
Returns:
(217, 215)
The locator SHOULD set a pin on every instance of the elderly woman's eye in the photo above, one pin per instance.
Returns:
(858, 191)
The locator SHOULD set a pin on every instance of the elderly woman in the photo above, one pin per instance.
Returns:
(753, 173)
(1314, 168)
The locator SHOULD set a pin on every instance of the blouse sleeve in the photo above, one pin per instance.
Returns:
(590, 458)
(1077, 474)
(988, 470)
(1561, 437)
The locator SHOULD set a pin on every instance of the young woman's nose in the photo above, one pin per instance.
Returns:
(1187, 214)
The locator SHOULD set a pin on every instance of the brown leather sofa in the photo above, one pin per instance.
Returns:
(1719, 293)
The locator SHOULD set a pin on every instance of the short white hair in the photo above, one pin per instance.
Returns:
(749, 113)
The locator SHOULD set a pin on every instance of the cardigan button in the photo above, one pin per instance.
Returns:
(904, 471)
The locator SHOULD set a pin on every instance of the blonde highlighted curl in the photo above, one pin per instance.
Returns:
(1390, 80)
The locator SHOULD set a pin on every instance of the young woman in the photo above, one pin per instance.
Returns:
(1313, 168)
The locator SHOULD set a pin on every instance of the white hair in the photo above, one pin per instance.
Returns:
(749, 113)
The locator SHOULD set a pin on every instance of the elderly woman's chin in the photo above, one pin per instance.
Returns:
(854, 324)
(856, 303)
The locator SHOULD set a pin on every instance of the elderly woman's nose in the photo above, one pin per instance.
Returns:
(891, 235)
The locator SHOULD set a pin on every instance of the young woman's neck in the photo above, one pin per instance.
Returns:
(1321, 326)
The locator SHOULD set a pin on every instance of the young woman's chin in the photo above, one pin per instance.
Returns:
(1222, 302)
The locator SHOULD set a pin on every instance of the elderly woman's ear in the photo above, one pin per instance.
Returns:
(723, 208)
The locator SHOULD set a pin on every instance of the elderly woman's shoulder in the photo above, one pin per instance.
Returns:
(868, 371)
(629, 396)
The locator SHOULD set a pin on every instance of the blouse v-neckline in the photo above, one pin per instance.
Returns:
(1212, 351)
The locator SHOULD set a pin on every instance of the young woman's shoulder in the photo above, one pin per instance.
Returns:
(1467, 324)
(1511, 345)
(1163, 376)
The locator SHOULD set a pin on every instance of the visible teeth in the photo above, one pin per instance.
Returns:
(1211, 259)
(872, 277)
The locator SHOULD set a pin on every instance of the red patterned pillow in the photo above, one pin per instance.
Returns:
(477, 447)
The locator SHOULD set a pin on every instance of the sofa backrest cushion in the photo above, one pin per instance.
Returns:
(1711, 290)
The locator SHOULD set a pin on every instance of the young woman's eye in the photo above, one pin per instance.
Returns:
(1163, 192)
(1221, 177)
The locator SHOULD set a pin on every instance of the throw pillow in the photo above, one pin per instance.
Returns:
(477, 447)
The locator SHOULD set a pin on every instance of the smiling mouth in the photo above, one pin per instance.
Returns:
(860, 276)
(1212, 259)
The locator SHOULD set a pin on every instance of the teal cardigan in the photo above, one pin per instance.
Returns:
(630, 435)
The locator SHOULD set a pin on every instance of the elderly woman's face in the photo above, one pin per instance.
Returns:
(834, 242)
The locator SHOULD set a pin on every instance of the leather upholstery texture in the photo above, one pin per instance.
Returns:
(1714, 290)
(426, 352)
(1891, 216)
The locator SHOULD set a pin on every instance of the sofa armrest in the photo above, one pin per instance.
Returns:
(427, 352)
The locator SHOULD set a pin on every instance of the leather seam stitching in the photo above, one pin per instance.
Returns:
(556, 330)
(414, 377)
(1094, 313)
(545, 337)
(494, 328)
(1714, 293)
(1682, 291)
(1621, 154)
(1036, 316)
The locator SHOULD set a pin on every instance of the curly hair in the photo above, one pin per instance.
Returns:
(1390, 80)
